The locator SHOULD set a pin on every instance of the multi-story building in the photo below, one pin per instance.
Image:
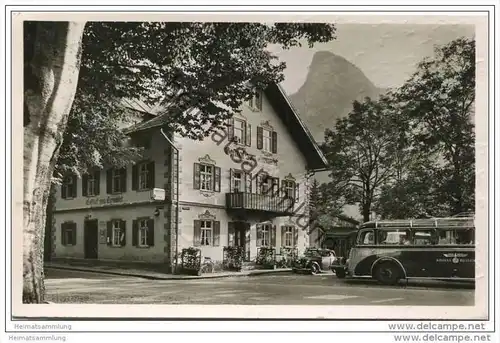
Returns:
(245, 186)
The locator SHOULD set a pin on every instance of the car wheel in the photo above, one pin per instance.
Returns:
(314, 269)
(340, 273)
(388, 273)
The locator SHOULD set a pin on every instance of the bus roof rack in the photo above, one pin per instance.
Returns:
(447, 222)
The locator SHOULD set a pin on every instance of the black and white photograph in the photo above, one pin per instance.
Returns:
(261, 162)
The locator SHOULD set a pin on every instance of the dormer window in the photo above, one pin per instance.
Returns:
(255, 103)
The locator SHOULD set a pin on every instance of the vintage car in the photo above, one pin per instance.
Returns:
(314, 261)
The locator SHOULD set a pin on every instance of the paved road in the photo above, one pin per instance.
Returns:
(278, 289)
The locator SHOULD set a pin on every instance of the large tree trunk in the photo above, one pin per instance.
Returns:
(51, 67)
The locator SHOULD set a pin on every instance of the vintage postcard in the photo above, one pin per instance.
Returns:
(251, 165)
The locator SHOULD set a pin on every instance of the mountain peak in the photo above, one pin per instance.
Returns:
(331, 85)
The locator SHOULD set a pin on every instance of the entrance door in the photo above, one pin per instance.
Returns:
(241, 237)
(91, 238)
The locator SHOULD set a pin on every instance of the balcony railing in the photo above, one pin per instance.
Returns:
(260, 202)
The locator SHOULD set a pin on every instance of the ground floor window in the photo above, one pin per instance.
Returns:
(266, 235)
(116, 233)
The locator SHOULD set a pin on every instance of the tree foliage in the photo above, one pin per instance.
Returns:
(184, 65)
(410, 154)
(360, 151)
(439, 102)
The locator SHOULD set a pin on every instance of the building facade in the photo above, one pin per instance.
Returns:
(246, 186)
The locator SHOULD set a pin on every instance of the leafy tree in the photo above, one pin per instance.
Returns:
(185, 65)
(360, 151)
(439, 100)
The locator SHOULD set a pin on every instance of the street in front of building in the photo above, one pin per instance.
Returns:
(65, 286)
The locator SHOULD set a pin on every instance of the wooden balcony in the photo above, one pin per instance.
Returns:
(259, 202)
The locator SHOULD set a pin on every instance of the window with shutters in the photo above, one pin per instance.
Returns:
(288, 236)
(206, 232)
(116, 178)
(143, 233)
(68, 187)
(206, 177)
(117, 234)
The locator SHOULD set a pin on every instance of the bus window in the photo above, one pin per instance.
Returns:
(456, 236)
(393, 236)
(366, 238)
(424, 237)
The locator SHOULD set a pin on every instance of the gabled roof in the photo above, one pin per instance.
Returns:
(286, 112)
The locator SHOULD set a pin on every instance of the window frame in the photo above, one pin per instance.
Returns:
(241, 180)
(269, 139)
(116, 227)
(289, 189)
(142, 232)
(211, 176)
(203, 233)
(363, 233)
(265, 230)
(68, 186)
(91, 185)
(241, 140)
(143, 173)
(289, 234)
(116, 174)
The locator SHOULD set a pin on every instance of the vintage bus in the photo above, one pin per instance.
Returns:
(392, 250)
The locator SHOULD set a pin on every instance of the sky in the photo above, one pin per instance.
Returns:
(386, 53)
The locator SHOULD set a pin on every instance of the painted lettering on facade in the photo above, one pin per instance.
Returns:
(105, 201)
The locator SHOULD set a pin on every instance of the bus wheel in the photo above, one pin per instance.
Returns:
(387, 273)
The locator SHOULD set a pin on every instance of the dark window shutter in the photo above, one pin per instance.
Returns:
(75, 186)
(274, 142)
(73, 231)
(123, 176)
(85, 179)
(248, 182)
(260, 133)
(296, 188)
(63, 190)
(259, 236)
(273, 236)
(151, 232)
(63, 236)
(196, 176)
(151, 174)
(216, 234)
(258, 99)
(197, 233)
(231, 181)
(109, 232)
(248, 135)
(295, 236)
(135, 177)
(135, 233)
(217, 179)
(283, 241)
(230, 232)
(109, 181)
(123, 235)
(230, 129)
(97, 185)
(276, 187)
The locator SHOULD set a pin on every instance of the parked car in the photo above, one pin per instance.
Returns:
(339, 267)
(314, 261)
